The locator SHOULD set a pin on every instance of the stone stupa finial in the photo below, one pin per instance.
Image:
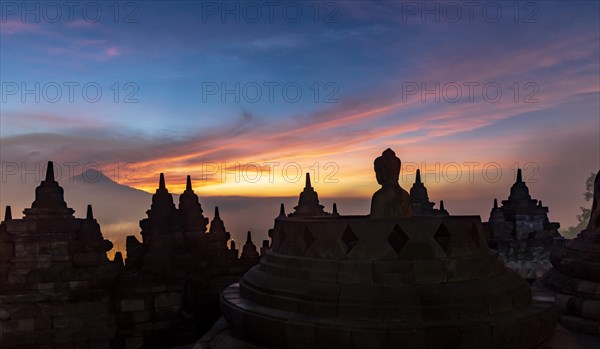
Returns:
(249, 251)
(335, 211)
(162, 200)
(442, 210)
(118, 259)
(307, 184)
(188, 200)
(519, 176)
(188, 183)
(281, 211)
(50, 172)
(191, 209)
(161, 182)
(8, 214)
(217, 225)
(419, 199)
(496, 213)
(391, 201)
(89, 214)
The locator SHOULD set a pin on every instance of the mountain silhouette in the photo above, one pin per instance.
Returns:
(94, 177)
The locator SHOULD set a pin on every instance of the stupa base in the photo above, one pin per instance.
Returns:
(578, 301)
(522, 328)
(223, 337)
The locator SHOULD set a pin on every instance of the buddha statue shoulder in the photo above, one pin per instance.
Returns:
(391, 201)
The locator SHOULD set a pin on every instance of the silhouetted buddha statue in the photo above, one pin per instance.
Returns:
(391, 201)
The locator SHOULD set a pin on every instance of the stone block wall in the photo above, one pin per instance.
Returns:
(49, 324)
(70, 315)
(151, 316)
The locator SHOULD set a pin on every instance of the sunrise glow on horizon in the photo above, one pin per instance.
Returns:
(177, 89)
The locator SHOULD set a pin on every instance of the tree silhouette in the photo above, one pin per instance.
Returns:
(584, 217)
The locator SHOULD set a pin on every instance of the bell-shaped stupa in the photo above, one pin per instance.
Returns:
(522, 233)
(387, 280)
(419, 199)
(308, 203)
(576, 275)
(49, 200)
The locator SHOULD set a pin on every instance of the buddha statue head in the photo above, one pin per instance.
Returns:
(387, 168)
(390, 201)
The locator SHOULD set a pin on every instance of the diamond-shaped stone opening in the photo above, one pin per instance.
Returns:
(397, 239)
(308, 237)
(442, 237)
(349, 239)
(474, 233)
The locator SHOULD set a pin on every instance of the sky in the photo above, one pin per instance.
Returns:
(247, 96)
